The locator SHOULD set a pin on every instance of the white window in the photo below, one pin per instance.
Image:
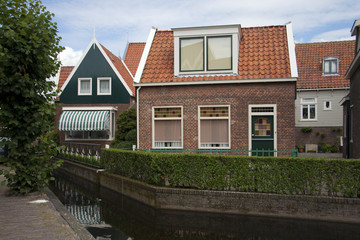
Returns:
(330, 66)
(167, 127)
(308, 109)
(207, 50)
(327, 105)
(214, 127)
(218, 54)
(104, 86)
(84, 86)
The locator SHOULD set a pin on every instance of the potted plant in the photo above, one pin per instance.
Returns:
(301, 148)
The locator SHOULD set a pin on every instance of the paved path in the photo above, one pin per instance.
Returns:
(20, 219)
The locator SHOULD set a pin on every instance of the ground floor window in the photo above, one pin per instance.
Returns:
(76, 135)
(167, 127)
(308, 109)
(214, 126)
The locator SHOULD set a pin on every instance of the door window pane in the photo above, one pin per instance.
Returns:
(262, 127)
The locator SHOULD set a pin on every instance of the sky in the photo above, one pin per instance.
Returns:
(118, 21)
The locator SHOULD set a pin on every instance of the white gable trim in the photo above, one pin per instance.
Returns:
(94, 43)
(145, 55)
(291, 48)
(77, 65)
(127, 69)
(115, 70)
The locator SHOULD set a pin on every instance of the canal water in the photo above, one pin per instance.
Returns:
(110, 215)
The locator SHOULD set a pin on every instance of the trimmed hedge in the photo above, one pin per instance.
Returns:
(285, 175)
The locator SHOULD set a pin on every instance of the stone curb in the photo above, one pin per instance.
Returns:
(68, 217)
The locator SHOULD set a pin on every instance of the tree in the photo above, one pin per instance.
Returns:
(125, 136)
(29, 47)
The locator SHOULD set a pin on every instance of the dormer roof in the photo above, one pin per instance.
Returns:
(263, 54)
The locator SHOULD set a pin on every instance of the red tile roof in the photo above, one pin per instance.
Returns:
(309, 58)
(263, 54)
(64, 74)
(120, 67)
(133, 56)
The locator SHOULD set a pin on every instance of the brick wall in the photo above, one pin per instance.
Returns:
(238, 96)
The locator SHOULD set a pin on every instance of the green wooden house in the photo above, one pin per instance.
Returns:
(93, 93)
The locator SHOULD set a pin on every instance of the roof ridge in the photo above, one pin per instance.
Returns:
(335, 41)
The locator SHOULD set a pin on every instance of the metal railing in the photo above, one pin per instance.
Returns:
(85, 153)
(256, 152)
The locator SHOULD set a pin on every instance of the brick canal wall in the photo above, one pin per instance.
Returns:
(261, 204)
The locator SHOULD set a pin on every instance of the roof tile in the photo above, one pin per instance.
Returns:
(261, 48)
(64, 74)
(133, 56)
(309, 58)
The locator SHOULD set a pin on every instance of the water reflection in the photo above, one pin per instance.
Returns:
(109, 215)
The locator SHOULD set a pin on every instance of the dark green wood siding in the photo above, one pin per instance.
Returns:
(94, 65)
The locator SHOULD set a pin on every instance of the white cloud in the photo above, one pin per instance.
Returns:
(70, 57)
(113, 19)
(335, 35)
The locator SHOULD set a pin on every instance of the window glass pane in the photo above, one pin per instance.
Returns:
(312, 112)
(192, 54)
(168, 133)
(219, 53)
(305, 112)
(333, 66)
(84, 86)
(104, 86)
(214, 132)
(326, 67)
(214, 112)
(167, 112)
(87, 135)
(308, 100)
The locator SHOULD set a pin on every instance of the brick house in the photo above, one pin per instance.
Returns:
(320, 88)
(217, 87)
(352, 101)
(93, 94)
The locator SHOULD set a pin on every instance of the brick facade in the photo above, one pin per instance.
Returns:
(238, 96)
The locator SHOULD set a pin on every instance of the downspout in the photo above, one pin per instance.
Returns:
(137, 118)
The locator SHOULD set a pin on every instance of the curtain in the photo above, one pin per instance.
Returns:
(214, 131)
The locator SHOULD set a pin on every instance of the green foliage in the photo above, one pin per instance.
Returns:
(29, 47)
(306, 129)
(307, 176)
(125, 135)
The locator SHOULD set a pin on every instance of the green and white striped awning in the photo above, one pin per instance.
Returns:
(84, 121)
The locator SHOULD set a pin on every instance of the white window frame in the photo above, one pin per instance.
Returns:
(264, 113)
(327, 108)
(98, 85)
(167, 119)
(79, 86)
(302, 103)
(204, 32)
(329, 59)
(211, 118)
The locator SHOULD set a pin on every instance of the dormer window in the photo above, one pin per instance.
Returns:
(330, 66)
(206, 50)
(218, 54)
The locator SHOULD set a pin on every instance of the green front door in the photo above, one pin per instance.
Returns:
(262, 135)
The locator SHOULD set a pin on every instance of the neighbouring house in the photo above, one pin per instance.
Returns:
(321, 86)
(217, 87)
(93, 94)
(351, 102)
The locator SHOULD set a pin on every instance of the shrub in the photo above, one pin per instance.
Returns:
(309, 176)
(306, 129)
